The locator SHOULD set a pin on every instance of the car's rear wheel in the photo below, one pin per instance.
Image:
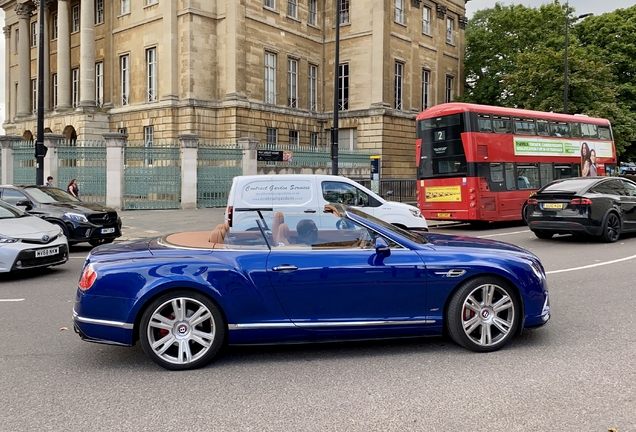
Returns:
(524, 214)
(611, 228)
(101, 241)
(544, 235)
(484, 314)
(182, 330)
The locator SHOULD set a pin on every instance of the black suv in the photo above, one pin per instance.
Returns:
(80, 221)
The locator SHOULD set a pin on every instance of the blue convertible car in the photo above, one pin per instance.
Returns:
(185, 295)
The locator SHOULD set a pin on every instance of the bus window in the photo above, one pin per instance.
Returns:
(527, 177)
(566, 171)
(559, 129)
(604, 133)
(542, 127)
(575, 129)
(483, 123)
(509, 170)
(525, 126)
(589, 130)
(546, 173)
(501, 124)
(496, 173)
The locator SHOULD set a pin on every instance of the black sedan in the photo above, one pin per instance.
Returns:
(603, 207)
(80, 221)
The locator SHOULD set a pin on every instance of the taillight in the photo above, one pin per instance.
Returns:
(581, 201)
(230, 213)
(88, 278)
(532, 201)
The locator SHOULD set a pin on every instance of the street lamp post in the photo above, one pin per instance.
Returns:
(40, 149)
(565, 69)
(334, 129)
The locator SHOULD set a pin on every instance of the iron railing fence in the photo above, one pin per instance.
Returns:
(314, 157)
(403, 190)
(217, 165)
(24, 163)
(84, 161)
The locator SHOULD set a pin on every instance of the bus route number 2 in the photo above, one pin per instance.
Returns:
(440, 135)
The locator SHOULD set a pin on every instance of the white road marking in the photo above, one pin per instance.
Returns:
(11, 300)
(592, 265)
(503, 234)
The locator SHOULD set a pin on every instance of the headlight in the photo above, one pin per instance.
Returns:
(415, 212)
(4, 240)
(538, 270)
(76, 217)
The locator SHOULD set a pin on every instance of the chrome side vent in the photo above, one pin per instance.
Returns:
(452, 273)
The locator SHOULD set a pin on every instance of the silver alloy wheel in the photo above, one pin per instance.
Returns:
(488, 315)
(181, 330)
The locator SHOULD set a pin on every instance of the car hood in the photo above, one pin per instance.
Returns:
(448, 240)
(30, 228)
(83, 207)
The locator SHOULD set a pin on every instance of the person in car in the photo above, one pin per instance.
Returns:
(307, 232)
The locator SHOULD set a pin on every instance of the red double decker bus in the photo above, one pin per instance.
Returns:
(480, 163)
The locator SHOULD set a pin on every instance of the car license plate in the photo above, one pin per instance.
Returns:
(107, 230)
(47, 252)
(553, 206)
(443, 215)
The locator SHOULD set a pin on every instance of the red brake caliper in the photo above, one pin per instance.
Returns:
(163, 332)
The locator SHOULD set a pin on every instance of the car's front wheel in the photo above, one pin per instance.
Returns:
(484, 314)
(182, 330)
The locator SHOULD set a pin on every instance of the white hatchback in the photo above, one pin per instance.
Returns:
(28, 242)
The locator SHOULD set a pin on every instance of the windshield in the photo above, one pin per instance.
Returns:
(49, 195)
(442, 152)
(9, 212)
(414, 237)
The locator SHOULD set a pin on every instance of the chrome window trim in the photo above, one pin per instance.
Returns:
(327, 324)
(117, 324)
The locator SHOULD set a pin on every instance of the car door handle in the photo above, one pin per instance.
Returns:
(310, 211)
(285, 268)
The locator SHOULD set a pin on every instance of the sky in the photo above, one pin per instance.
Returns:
(596, 7)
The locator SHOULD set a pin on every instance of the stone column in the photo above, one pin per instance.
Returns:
(380, 45)
(115, 145)
(8, 116)
(87, 54)
(249, 146)
(63, 55)
(7, 142)
(168, 62)
(24, 59)
(47, 51)
(51, 159)
(189, 156)
(235, 54)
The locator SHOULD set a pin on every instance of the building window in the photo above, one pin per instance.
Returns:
(313, 87)
(76, 18)
(99, 11)
(347, 138)
(34, 34)
(272, 137)
(293, 138)
(450, 25)
(270, 4)
(124, 65)
(292, 8)
(54, 84)
(270, 78)
(54, 26)
(149, 139)
(449, 89)
(399, 11)
(99, 84)
(151, 63)
(125, 7)
(426, 20)
(34, 95)
(426, 83)
(343, 87)
(344, 12)
(75, 79)
(399, 75)
(17, 42)
(313, 12)
(150, 2)
(313, 140)
(292, 83)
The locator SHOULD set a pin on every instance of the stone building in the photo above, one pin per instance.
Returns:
(225, 69)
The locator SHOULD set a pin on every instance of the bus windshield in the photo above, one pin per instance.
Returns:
(442, 152)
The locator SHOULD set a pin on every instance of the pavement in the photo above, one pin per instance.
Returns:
(150, 223)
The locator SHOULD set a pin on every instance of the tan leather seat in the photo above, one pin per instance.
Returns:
(283, 235)
(278, 220)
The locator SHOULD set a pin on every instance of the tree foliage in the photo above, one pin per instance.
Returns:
(515, 57)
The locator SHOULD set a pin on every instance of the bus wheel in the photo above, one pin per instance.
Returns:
(543, 235)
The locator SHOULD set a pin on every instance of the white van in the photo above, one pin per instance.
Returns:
(298, 194)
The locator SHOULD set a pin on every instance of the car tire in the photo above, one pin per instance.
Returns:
(101, 241)
(484, 314)
(611, 228)
(543, 235)
(524, 213)
(182, 330)
(64, 228)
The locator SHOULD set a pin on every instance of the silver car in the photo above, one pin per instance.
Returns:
(28, 242)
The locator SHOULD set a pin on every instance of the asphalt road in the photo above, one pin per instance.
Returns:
(575, 374)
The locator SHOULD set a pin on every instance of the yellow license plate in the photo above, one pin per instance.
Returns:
(443, 215)
(557, 206)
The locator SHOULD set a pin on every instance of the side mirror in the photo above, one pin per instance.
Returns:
(382, 247)
(24, 203)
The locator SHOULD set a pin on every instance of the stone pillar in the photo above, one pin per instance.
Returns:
(51, 159)
(115, 145)
(7, 142)
(168, 62)
(249, 146)
(235, 56)
(24, 59)
(87, 54)
(380, 46)
(189, 157)
(8, 116)
(63, 55)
